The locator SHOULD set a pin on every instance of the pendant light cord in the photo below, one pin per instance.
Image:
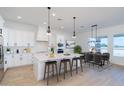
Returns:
(91, 31)
(96, 32)
(49, 18)
(74, 26)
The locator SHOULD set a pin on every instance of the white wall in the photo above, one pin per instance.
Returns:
(109, 31)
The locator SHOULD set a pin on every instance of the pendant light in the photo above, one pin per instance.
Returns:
(94, 26)
(74, 34)
(48, 29)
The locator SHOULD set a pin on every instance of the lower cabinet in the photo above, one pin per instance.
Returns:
(18, 60)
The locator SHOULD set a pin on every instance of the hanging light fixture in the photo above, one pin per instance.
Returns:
(48, 29)
(74, 34)
(95, 37)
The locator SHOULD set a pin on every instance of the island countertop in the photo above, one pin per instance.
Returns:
(41, 58)
(44, 57)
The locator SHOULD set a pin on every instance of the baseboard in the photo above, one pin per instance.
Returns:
(20, 66)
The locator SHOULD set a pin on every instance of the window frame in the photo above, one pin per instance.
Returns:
(113, 47)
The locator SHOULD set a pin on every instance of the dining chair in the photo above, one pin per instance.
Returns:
(98, 60)
(89, 58)
(106, 57)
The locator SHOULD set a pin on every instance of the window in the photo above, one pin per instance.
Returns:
(92, 42)
(118, 45)
(101, 44)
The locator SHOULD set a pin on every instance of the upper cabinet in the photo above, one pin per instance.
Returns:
(41, 34)
(18, 34)
(1, 22)
(21, 38)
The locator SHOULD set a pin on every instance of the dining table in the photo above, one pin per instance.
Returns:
(39, 60)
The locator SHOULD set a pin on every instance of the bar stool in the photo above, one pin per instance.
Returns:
(75, 59)
(47, 65)
(64, 62)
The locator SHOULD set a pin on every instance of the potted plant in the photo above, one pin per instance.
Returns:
(8, 50)
(77, 49)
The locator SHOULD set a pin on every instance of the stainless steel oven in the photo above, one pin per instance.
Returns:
(1, 58)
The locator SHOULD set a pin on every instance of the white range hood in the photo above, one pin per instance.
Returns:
(41, 34)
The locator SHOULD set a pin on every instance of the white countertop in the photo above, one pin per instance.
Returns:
(42, 57)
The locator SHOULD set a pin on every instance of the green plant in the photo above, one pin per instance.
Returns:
(8, 49)
(77, 49)
(52, 50)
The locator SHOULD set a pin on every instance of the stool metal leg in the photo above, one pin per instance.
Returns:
(70, 67)
(64, 69)
(76, 66)
(45, 71)
(81, 65)
(72, 63)
(60, 68)
(48, 75)
(53, 69)
(66, 66)
(57, 73)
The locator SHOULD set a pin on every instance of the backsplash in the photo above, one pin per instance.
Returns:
(18, 50)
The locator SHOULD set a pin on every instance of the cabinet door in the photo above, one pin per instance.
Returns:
(27, 59)
(19, 38)
(12, 37)
(10, 61)
(31, 38)
(5, 36)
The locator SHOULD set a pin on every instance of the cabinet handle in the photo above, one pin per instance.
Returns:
(5, 62)
(20, 58)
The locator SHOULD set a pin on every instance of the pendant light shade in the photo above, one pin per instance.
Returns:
(74, 34)
(48, 29)
(94, 26)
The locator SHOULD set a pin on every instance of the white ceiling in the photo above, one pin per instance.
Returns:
(86, 16)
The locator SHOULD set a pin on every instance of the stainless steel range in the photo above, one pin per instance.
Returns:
(1, 58)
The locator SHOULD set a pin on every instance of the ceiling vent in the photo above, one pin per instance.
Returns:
(59, 19)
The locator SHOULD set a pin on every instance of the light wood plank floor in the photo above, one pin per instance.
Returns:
(23, 76)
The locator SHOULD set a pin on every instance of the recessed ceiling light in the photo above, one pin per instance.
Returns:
(62, 27)
(19, 17)
(53, 14)
(44, 23)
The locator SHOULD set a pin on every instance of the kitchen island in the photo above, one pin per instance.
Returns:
(40, 59)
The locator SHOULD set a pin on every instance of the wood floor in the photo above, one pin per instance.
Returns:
(111, 76)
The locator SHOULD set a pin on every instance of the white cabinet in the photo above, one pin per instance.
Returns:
(18, 60)
(20, 38)
(5, 36)
(19, 35)
(1, 21)
(11, 37)
(41, 34)
(8, 61)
